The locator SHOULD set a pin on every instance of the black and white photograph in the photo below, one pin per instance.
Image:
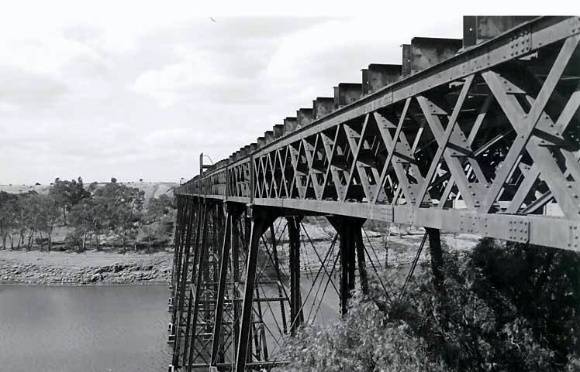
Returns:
(296, 186)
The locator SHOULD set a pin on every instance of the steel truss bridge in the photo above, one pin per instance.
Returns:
(479, 135)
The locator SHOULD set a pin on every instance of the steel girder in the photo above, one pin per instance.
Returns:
(484, 142)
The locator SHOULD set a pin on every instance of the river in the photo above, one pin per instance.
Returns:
(84, 329)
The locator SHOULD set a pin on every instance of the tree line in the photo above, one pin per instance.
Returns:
(93, 216)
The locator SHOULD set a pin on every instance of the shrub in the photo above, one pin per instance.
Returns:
(506, 307)
(365, 341)
(74, 241)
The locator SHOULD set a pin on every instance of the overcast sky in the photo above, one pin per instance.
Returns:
(138, 91)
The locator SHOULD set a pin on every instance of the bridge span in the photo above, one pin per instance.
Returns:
(477, 135)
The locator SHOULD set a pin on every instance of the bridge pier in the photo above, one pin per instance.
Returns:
(181, 275)
(181, 220)
(351, 252)
(296, 313)
(223, 262)
(260, 220)
(197, 273)
(280, 276)
(237, 235)
(436, 259)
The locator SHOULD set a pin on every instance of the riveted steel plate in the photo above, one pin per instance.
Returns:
(518, 230)
(574, 236)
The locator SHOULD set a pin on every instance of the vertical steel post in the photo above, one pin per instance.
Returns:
(189, 297)
(260, 220)
(217, 327)
(296, 314)
(198, 231)
(235, 246)
(187, 329)
(177, 257)
(360, 258)
(176, 250)
(182, 284)
(437, 270)
(347, 265)
(179, 227)
(349, 231)
(278, 273)
(261, 348)
(436, 259)
(261, 345)
(207, 278)
(197, 273)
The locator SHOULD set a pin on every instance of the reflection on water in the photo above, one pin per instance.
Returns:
(62, 329)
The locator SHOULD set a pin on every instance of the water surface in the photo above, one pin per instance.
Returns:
(101, 329)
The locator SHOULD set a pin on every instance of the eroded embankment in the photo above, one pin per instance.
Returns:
(91, 267)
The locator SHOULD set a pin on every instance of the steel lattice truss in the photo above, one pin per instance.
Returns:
(479, 136)
(482, 142)
(236, 287)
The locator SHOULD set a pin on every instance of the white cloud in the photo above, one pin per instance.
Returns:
(194, 73)
(8, 107)
(100, 95)
(137, 89)
(21, 88)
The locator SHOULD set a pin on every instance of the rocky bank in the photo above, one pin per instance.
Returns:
(88, 268)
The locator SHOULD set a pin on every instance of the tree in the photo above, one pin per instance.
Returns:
(113, 208)
(158, 208)
(26, 211)
(48, 217)
(87, 221)
(8, 215)
(155, 235)
(123, 206)
(30, 208)
(67, 194)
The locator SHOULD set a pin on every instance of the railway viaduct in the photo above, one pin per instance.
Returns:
(477, 135)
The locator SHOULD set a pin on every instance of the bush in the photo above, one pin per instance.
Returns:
(154, 236)
(365, 341)
(504, 308)
(73, 241)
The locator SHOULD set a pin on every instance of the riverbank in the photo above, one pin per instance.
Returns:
(87, 268)
(106, 267)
